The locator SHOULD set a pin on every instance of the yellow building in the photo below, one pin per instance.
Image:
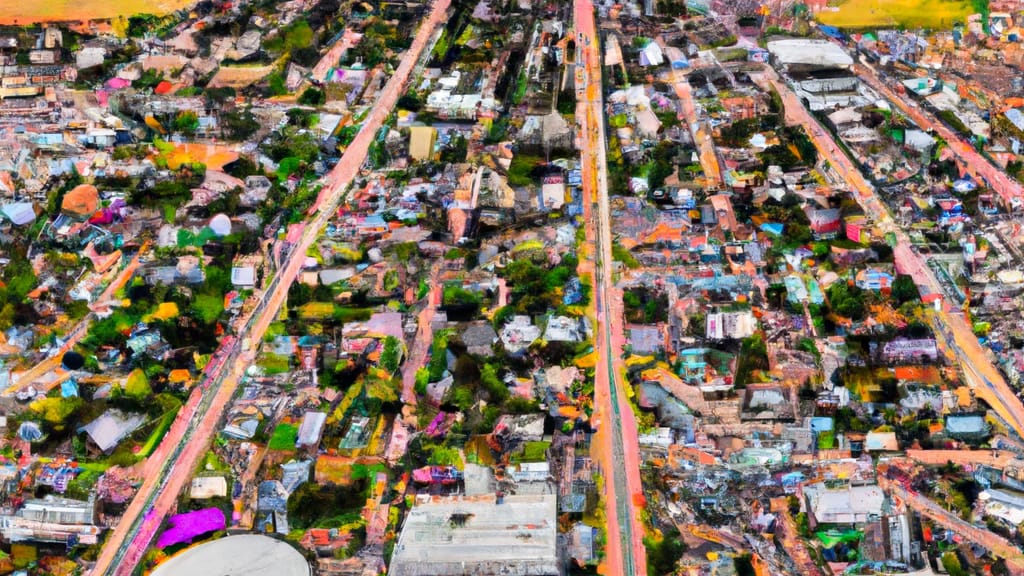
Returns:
(421, 142)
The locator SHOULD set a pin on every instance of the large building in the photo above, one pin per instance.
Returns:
(52, 519)
(512, 536)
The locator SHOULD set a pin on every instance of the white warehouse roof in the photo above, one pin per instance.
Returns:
(809, 53)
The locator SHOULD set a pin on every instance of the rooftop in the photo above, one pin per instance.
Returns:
(478, 535)
(809, 53)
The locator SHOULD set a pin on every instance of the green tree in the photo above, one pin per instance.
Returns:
(239, 124)
(951, 563)
(904, 289)
(496, 389)
(56, 412)
(186, 122)
(137, 385)
(753, 358)
(312, 97)
(664, 553)
(846, 300)
(208, 308)
(390, 355)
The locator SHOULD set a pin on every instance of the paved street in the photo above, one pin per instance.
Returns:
(189, 437)
(705, 144)
(616, 446)
(52, 363)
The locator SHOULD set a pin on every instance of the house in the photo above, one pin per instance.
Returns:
(518, 334)
(651, 55)
(90, 56)
(257, 187)
(486, 534)
(205, 487)
(565, 329)
(769, 402)
(967, 427)
(909, 349)
(825, 223)
(310, 430)
(107, 431)
(552, 192)
(478, 338)
(646, 339)
(422, 140)
(272, 507)
(873, 279)
(881, 442)
(243, 277)
(730, 325)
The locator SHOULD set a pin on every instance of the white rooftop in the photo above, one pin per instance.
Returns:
(476, 535)
(809, 53)
(242, 555)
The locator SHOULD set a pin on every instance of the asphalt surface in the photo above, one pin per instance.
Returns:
(171, 466)
(616, 446)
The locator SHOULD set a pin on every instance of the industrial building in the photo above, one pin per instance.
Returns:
(510, 535)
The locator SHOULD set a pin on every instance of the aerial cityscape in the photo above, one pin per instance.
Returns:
(508, 287)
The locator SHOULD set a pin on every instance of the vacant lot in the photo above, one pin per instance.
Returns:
(20, 12)
(897, 13)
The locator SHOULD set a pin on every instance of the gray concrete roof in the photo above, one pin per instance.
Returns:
(809, 53)
(476, 535)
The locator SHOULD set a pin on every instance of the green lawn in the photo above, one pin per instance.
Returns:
(284, 437)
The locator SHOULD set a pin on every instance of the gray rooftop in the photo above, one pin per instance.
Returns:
(809, 53)
(476, 535)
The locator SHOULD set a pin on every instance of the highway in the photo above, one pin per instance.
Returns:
(616, 446)
(951, 329)
(172, 465)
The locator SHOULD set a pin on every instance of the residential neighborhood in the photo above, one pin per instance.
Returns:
(550, 289)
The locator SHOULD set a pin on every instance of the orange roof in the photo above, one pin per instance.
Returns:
(179, 376)
(163, 87)
(320, 536)
(665, 233)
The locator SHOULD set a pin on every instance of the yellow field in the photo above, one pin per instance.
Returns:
(23, 13)
(910, 14)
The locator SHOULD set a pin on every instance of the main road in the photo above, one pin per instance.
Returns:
(616, 445)
(951, 328)
(172, 465)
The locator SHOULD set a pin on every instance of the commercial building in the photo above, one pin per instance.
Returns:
(847, 505)
(510, 535)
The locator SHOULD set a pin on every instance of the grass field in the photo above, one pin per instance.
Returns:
(21, 13)
(909, 14)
